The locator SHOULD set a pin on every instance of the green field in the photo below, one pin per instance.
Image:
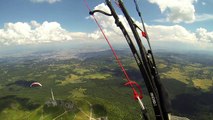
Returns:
(95, 88)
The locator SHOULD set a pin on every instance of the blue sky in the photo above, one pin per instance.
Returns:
(24, 22)
(66, 12)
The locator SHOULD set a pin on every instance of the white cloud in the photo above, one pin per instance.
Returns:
(203, 3)
(108, 24)
(158, 33)
(79, 35)
(160, 20)
(177, 10)
(204, 17)
(204, 36)
(198, 18)
(171, 33)
(48, 1)
(32, 33)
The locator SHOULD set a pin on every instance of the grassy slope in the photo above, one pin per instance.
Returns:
(93, 82)
(69, 80)
(189, 82)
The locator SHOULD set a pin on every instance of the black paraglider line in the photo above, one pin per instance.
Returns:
(146, 65)
(137, 96)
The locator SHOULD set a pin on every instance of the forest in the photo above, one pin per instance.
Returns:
(92, 85)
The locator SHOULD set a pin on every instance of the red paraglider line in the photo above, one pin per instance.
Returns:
(112, 49)
(129, 82)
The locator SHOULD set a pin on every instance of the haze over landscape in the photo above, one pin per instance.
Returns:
(174, 24)
(57, 43)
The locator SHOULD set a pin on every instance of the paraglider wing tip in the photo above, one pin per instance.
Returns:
(35, 84)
